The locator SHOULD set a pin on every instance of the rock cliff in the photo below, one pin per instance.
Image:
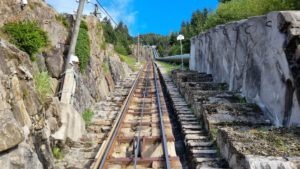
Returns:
(259, 57)
(30, 127)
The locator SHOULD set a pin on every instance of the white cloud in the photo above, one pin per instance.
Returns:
(120, 10)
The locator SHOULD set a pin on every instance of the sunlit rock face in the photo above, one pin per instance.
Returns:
(258, 57)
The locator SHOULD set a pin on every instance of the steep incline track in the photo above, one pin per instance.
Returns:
(142, 135)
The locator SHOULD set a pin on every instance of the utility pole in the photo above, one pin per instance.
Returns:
(69, 82)
(75, 32)
(138, 55)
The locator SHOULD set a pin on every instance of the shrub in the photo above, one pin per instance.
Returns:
(87, 116)
(120, 49)
(27, 35)
(82, 50)
(42, 85)
(241, 9)
(57, 153)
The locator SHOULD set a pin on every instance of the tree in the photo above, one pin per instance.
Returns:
(108, 31)
(224, 1)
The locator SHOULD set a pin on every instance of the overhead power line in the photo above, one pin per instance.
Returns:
(111, 18)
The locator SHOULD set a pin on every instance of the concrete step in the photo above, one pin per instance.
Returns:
(191, 123)
(201, 159)
(193, 127)
(198, 143)
(212, 153)
(187, 119)
(188, 131)
(196, 137)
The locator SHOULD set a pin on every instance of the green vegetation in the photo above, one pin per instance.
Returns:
(169, 67)
(130, 61)
(103, 46)
(63, 20)
(25, 93)
(42, 85)
(214, 132)
(201, 21)
(161, 42)
(240, 98)
(271, 137)
(105, 66)
(119, 37)
(57, 153)
(240, 9)
(83, 49)
(87, 116)
(27, 35)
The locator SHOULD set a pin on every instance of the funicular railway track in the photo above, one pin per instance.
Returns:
(142, 134)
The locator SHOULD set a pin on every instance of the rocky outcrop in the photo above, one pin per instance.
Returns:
(38, 11)
(19, 109)
(95, 84)
(22, 157)
(72, 125)
(28, 127)
(258, 57)
(118, 69)
(10, 132)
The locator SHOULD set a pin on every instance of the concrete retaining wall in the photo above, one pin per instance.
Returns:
(258, 57)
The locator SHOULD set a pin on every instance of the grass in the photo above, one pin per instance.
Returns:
(130, 61)
(271, 137)
(169, 67)
(42, 85)
(103, 46)
(214, 132)
(105, 67)
(87, 116)
(57, 153)
(62, 19)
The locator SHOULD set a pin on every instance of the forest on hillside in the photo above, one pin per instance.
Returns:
(118, 36)
(227, 11)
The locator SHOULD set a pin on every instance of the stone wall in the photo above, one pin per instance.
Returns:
(258, 57)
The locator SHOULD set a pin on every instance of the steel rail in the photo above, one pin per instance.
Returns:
(101, 160)
(141, 119)
(165, 146)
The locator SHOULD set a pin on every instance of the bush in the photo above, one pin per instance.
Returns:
(87, 116)
(82, 50)
(242, 9)
(27, 35)
(175, 50)
(42, 85)
(120, 49)
(57, 153)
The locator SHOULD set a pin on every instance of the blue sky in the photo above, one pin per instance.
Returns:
(144, 16)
